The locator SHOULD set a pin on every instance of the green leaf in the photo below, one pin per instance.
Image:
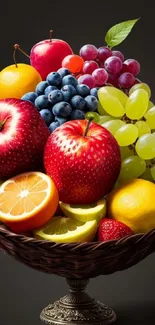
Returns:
(119, 32)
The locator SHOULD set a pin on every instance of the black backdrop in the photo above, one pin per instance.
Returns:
(24, 292)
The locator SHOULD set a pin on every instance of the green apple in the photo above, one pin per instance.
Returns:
(85, 212)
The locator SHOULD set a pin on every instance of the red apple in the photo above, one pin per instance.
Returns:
(23, 134)
(46, 56)
(83, 167)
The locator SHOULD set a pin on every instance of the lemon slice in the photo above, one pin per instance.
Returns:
(84, 213)
(67, 230)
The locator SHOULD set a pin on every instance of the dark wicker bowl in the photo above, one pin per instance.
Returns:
(77, 263)
(84, 260)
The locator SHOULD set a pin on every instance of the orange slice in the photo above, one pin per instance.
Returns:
(28, 201)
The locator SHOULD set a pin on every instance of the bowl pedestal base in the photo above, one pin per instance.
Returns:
(77, 308)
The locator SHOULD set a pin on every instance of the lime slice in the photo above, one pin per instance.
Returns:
(67, 230)
(84, 213)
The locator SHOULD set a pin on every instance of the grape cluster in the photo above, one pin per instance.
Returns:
(97, 67)
(131, 120)
(60, 98)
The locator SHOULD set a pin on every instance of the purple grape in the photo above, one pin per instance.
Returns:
(113, 79)
(113, 64)
(126, 80)
(100, 76)
(88, 52)
(88, 80)
(132, 66)
(103, 54)
(118, 54)
(90, 66)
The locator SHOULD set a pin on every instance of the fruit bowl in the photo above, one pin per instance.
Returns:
(77, 263)
(87, 126)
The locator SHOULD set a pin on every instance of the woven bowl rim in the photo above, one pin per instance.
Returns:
(95, 245)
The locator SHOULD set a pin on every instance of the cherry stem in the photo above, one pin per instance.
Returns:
(2, 123)
(51, 32)
(87, 127)
(17, 47)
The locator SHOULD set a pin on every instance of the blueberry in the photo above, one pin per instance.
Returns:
(78, 102)
(61, 120)
(62, 109)
(54, 79)
(77, 114)
(68, 91)
(49, 89)
(91, 103)
(41, 102)
(41, 87)
(55, 96)
(31, 96)
(47, 116)
(94, 92)
(69, 80)
(63, 72)
(53, 126)
(83, 90)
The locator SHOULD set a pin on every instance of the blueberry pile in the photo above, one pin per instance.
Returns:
(60, 98)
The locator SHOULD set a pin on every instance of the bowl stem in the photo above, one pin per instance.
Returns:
(77, 308)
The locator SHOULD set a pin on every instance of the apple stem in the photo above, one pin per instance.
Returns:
(87, 127)
(17, 47)
(51, 32)
(14, 58)
(2, 123)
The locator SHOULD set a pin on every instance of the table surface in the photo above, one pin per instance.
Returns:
(25, 292)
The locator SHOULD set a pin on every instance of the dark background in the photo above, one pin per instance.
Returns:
(24, 292)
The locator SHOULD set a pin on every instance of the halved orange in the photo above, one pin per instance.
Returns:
(28, 201)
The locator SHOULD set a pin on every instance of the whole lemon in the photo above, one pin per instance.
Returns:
(133, 203)
(15, 81)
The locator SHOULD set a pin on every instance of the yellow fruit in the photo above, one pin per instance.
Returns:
(67, 230)
(17, 81)
(85, 213)
(134, 204)
(28, 201)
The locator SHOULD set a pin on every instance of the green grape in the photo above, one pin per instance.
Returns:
(105, 118)
(126, 135)
(150, 105)
(119, 94)
(113, 125)
(145, 146)
(153, 172)
(110, 103)
(147, 175)
(137, 104)
(126, 152)
(100, 109)
(132, 167)
(94, 115)
(143, 128)
(150, 117)
(141, 85)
